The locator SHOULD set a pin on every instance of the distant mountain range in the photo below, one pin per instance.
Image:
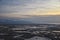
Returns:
(31, 20)
(6, 21)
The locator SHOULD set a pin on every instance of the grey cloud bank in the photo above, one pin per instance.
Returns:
(23, 6)
(7, 6)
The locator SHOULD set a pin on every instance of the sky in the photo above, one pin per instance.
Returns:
(30, 9)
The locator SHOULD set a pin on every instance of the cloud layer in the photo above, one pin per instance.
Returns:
(30, 10)
(28, 7)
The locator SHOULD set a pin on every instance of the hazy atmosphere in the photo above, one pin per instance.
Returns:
(29, 11)
(29, 19)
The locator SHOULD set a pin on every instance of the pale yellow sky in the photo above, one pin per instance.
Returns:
(30, 7)
(37, 12)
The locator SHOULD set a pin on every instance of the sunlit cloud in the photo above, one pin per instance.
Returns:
(17, 8)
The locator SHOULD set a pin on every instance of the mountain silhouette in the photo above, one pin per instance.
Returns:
(6, 21)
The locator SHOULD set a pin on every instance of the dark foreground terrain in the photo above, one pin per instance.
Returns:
(30, 32)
